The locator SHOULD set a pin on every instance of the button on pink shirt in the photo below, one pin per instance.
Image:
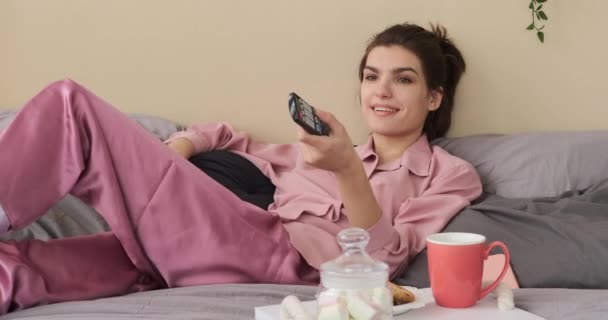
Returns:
(418, 193)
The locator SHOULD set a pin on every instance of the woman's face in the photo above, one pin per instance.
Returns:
(394, 97)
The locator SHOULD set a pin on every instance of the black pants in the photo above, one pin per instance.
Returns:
(238, 175)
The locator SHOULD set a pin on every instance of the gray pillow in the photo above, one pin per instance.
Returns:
(558, 242)
(160, 127)
(541, 164)
(6, 116)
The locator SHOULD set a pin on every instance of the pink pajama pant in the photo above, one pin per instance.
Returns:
(171, 224)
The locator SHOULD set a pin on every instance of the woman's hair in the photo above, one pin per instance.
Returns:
(442, 65)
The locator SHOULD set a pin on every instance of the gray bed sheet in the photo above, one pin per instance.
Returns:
(237, 302)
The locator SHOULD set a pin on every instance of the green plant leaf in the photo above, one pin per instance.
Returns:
(541, 36)
(536, 8)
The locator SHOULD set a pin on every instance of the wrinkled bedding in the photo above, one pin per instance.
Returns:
(69, 217)
(237, 302)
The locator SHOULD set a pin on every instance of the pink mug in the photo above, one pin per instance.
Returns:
(456, 267)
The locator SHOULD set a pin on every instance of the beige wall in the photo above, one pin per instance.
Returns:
(237, 60)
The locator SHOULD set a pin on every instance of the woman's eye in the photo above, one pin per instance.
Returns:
(370, 77)
(404, 80)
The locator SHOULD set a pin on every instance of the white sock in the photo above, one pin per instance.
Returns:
(5, 224)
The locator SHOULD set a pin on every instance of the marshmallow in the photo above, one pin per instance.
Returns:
(505, 297)
(333, 312)
(382, 299)
(359, 308)
(292, 309)
(330, 297)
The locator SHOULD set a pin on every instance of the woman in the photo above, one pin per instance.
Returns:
(174, 226)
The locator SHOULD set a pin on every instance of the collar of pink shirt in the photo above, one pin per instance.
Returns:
(416, 158)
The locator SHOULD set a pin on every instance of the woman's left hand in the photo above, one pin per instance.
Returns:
(334, 152)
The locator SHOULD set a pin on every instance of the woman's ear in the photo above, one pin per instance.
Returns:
(436, 96)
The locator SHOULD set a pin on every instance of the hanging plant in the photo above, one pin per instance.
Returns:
(538, 15)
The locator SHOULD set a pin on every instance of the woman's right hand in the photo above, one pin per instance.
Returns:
(182, 146)
(333, 153)
(336, 153)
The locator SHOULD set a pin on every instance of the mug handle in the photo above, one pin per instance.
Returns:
(486, 253)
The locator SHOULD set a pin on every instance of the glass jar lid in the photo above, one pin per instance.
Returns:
(354, 268)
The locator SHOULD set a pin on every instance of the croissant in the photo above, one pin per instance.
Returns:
(400, 294)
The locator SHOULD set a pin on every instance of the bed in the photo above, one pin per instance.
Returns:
(545, 196)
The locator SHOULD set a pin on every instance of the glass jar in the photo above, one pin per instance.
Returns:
(354, 286)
